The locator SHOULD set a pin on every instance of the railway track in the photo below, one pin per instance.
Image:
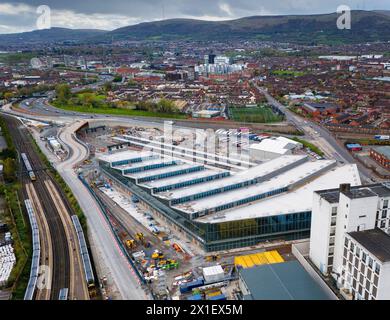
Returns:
(60, 249)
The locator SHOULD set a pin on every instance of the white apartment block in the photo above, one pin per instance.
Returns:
(366, 265)
(339, 213)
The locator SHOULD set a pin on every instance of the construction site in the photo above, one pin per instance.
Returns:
(168, 254)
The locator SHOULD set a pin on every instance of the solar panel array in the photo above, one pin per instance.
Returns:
(29, 294)
(83, 251)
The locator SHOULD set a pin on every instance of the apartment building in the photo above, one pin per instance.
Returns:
(350, 238)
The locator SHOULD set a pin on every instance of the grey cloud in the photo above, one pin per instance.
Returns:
(141, 10)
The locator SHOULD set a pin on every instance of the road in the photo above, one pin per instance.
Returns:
(324, 138)
(100, 233)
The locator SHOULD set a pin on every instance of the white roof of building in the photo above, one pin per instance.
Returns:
(213, 270)
(286, 179)
(299, 200)
(147, 162)
(153, 172)
(125, 155)
(181, 178)
(279, 145)
(249, 174)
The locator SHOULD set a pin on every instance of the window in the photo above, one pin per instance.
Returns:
(384, 214)
(383, 224)
(334, 211)
(374, 291)
(377, 268)
(385, 204)
(364, 257)
(346, 242)
(370, 262)
(376, 279)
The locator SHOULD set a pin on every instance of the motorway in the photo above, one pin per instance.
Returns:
(323, 137)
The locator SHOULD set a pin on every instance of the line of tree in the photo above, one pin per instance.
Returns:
(8, 154)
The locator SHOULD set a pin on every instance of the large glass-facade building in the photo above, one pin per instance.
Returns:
(220, 209)
(221, 235)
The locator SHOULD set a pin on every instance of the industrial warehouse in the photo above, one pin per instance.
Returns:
(220, 209)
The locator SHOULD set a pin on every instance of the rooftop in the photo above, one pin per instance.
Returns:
(358, 193)
(281, 281)
(376, 241)
(284, 180)
(279, 145)
(252, 173)
(333, 195)
(181, 178)
(169, 169)
(384, 150)
(125, 155)
(298, 200)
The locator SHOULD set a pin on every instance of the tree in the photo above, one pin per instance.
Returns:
(166, 106)
(9, 170)
(63, 93)
(107, 87)
(8, 96)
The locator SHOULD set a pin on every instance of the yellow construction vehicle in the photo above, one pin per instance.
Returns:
(131, 244)
(157, 255)
(213, 258)
(140, 236)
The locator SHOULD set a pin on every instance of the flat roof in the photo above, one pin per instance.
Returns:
(250, 174)
(376, 241)
(182, 178)
(277, 145)
(299, 200)
(384, 150)
(125, 155)
(333, 195)
(147, 162)
(358, 193)
(282, 281)
(153, 172)
(283, 180)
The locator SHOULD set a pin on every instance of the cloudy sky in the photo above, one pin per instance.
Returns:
(18, 16)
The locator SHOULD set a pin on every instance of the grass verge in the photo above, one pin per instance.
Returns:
(119, 112)
(311, 146)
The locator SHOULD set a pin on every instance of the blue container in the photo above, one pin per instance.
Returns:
(219, 297)
(196, 297)
(187, 287)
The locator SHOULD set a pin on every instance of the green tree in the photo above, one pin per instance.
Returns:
(9, 170)
(63, 93)
(107, 87)
(8, 96)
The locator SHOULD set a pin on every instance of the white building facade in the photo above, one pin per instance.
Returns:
(339, 213)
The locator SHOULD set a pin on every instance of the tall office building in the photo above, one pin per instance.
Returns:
(209, 58)
(349, 231)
